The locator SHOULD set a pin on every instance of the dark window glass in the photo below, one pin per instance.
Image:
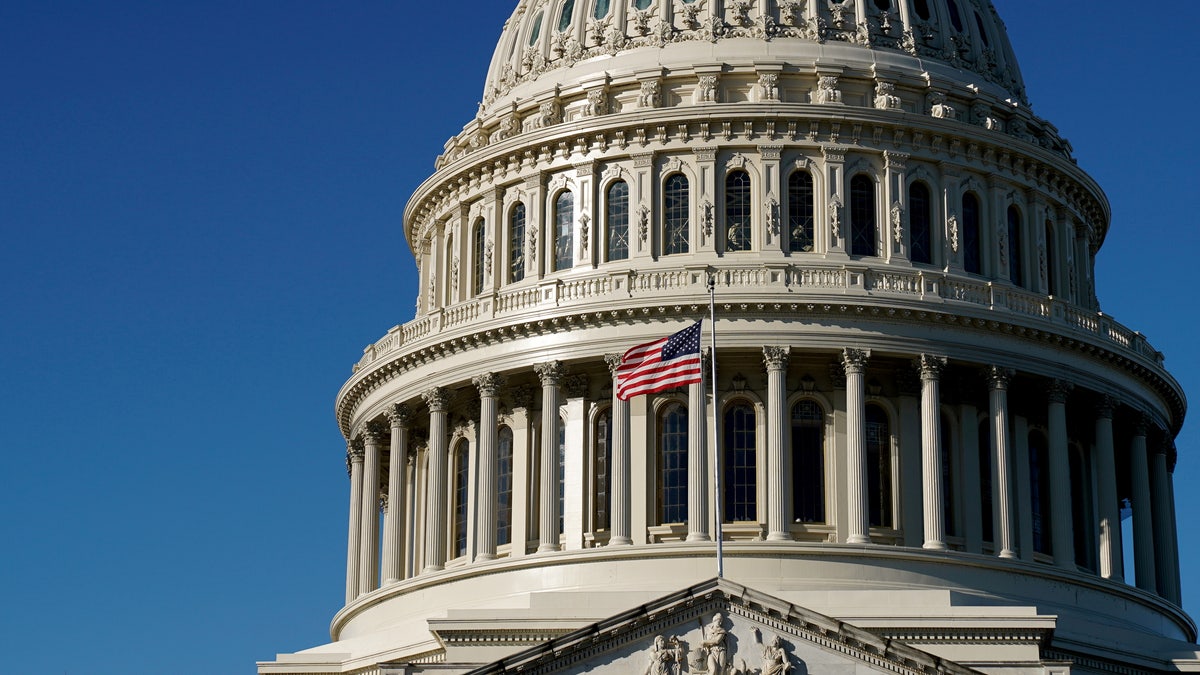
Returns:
(564, 19)
(480, 242)
(982, 31)
(1050, 285)
(618, 221)
(504, 475)
(808, 462)
(601, 10)
(800, 212)
(955, 17)
(564, 212)
(642, 4)
(879, 467)
(1039, 491)
(537, 30)
(1015, 247)
(740, 472)
(862, 216)
(985, 480)
(461, 458)
(920, 221)
(675, 215)
(737, 211)
(1081, 509)
(516, 244)
(672, 464)
(972, 261)
(562, 477)
(883, 5)
(949, 497)
(602, 458)
(922, 7)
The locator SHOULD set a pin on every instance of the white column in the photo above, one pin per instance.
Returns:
(354, 464)
(436, 487)
(931, 451)
(485, 518)
(1167, 563)
(697, 465)
(368, 557)
(1002, 478)
(551, 375)
(1111, 564)
(777, 473)
(575, 468)
(393, 522)
(1061, 524)
(1143, 521)
(855, 363)
(619, 477)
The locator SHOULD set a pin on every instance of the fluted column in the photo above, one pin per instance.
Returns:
(1143, 521)
(1167, 562)
(488, 501)
(368, 545)
(1061, 525)
(1111, 564)
(855, 363)
(393, 522)
(697, 491)
(776, 359)
(435, 488)
(551, 375)
(1002, 478)
(354, 463)
(931, 451)
(619, 478)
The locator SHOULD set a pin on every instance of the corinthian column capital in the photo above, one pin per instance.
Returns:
(1105, 406)
(998, 377)
(931, 366)
(613, 361)
(399, 416)
(550, 373)
(855, 360)
(437, 399)
(1058, 391)
(355, 452)
(776, 357)
(489, 384)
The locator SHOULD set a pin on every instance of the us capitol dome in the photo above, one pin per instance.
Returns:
(927, 433)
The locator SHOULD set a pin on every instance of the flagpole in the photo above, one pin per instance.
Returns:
(712, 322)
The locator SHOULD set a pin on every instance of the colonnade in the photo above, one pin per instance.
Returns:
(419, 496)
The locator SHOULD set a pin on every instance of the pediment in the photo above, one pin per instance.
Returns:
(722, 628)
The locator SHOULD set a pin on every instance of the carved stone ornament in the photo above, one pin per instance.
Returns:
(533, 243)
(489, 384)
(885, 96)
(771, 209)
(841, 13)
(487, 257)
(855, 360)
(998, 377)
(706, 211)
(648, 97)
(667, 657)
(437, 399)
(768, 85)
(952, 228)
(399, 416)
(1002, 245)
(791, 12)
(706, 90)
(715, 655)
(689, 13)
(775, 659)
(739, 11)
(737, 161)
(941, 108)
(576, 386)
(1058, 391)
(835, 216)
(613, 361)
(898, 222)
(550, 373)
(584, 220)
(672, 165)
(597, 103)
(776, 357)
(644, 223)
(827, 90)
(454, 276)
(931, 366)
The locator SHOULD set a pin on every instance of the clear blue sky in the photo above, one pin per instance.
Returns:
(200, 227)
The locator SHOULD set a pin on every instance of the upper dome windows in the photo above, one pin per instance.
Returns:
(643, 4)
(601, 10)
(564, 19)
(922, 7)
(537, 30)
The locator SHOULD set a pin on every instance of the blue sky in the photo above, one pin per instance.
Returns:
(200, 227)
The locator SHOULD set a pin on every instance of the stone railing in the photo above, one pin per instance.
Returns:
(626, 288)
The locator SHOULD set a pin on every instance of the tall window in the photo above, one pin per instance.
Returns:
(863, 232)
(562, 474)
(949, 497)
(564, 19)
(672, 464)
(601, 9)
(1081, 508)
(808, 462)
(1015, 249)
(879, 467)
(618, 221)
(675, 215)
(737, 211)
(461, 458)
(972, 261)
(479, 243)
(516, 244)
(1039, 490)
(985, 480)
(800, 212)
(602, 471)
(504, 473)
(740, 471)
(1050, 285)
(920, 221)
(564, 215)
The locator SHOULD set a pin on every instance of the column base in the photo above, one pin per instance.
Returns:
(936, 546)
(432, 568)
(698, 536)
(779, 536)
(483, 557)
(1009, 554)
(858, 539)
(620, 541)
(547, 548)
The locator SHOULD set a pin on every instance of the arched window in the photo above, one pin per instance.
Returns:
(642, 4)
(808, 462)
(920, 222)
(462, 453)
(479, 242)
(672, 464)
(1039, 490)
(922, 7)
(601, 9)
(564, 19)
(618, 220)
(972, 261)
(985, 480)
(601, 470)
(949, 496)
(737, 211)
(516, 243)
(1016, 249)
(537, 30)
(740, 472)
(504, 475)
(1050, 285)
(879, 467)
(1081, 508)
(800, 212)
(982, 30)
(675, 215)
(452, 278)
(564, 215)
(862, 216)
(955, 17)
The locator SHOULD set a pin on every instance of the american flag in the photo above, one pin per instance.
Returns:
(663, 364)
